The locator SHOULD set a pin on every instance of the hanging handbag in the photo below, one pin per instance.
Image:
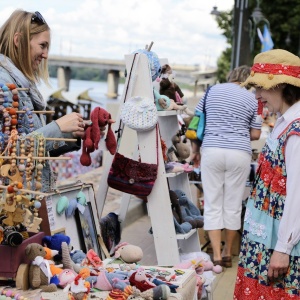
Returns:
(128, 175)
(196, 128)
(138, 113)
(131, 176)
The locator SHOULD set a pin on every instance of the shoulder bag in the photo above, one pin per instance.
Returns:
(196, 128)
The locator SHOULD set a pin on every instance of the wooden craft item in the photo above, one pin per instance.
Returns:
(5, 172)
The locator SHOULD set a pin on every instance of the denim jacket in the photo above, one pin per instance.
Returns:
(54, 148)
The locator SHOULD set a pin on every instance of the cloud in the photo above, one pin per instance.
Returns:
(182, 30)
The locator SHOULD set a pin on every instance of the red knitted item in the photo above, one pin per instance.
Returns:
(260, 108)
(100, 118)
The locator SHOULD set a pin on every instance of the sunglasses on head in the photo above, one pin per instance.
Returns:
(38, 18)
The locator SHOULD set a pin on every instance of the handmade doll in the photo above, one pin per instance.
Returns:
(167, 85)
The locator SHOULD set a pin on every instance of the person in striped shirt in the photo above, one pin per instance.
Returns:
(231, 124)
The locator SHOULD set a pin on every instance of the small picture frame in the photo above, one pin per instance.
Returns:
(87, 230)
(60, 230)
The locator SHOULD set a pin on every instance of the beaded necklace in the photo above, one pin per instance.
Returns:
(13, 295)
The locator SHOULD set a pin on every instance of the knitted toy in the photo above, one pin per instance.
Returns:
(128, 253)
(189, 211)
(200, 265)
(181, 226)
(92, 260)
(140, 280)
(161, 292)
(77, 256)
(163, 102)
(100, 118)
(106, 281)
(39, 270)
(55, 269)
(167, 85)
(54, 242)
(182, 148)
(78, 289)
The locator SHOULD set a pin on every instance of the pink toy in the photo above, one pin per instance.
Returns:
(200, 265)
(66, 277)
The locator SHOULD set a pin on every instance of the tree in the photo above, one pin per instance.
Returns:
(284, 19)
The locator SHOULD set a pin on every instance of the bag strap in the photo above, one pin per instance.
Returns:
(121, 125)
(120, 129)
(204, 99)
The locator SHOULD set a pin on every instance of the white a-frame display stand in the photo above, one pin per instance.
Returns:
(168, 244)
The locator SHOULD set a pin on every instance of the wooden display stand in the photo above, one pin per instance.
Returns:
(82, 228)
(168, 244)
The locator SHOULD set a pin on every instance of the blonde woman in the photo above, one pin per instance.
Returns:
(24, 46)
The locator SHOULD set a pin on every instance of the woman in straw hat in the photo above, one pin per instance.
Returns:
(269, 261)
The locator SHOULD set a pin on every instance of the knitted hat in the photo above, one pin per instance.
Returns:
(274, 67)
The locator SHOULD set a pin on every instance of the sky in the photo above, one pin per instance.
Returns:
(183, 31)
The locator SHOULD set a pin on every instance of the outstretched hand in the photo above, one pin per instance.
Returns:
(71, 123)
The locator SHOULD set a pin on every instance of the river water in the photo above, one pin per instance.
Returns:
(97, 92)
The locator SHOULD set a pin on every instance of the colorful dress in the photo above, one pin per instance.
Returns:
(265, 207)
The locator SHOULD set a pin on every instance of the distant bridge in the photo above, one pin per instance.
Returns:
(189, 74)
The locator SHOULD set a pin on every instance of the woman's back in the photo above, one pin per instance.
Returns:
(230, 113)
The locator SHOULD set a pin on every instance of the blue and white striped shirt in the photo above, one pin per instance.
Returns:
(230, 113)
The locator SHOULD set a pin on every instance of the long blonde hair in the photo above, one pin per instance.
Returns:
(20, 21)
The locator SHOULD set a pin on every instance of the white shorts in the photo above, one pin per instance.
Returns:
(224, 174)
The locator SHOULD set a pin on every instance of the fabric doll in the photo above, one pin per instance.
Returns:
(167, 85)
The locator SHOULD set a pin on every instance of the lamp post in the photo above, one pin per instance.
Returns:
(257, 18)
(240, 54)
(244, 31)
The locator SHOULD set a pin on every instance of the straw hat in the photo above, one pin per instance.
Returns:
(274, 67)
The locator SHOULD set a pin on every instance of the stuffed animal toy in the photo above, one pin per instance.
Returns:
(163, 102)
(182, 148)
(77, 256)
(79, 289)
(66, 277)
(92, 260)
(106, 281)
(181, 226)
(54, 242)
(39, 270)
(100, 118)
(128, 253)
(161, 292)
(54, 269)
(189, 211)
(200, 265)
(139, 279)
(167, 85)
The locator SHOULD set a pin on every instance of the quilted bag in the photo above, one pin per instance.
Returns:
(139, 113)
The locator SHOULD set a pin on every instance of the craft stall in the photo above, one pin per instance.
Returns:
(51, 243)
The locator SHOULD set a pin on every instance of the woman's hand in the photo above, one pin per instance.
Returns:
(80, 134)
(279, 264)
(71, 123)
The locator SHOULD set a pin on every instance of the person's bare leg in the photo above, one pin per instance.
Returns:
(230, 236)
(215, 240)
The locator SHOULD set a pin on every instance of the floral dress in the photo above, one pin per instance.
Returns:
(265, 207)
